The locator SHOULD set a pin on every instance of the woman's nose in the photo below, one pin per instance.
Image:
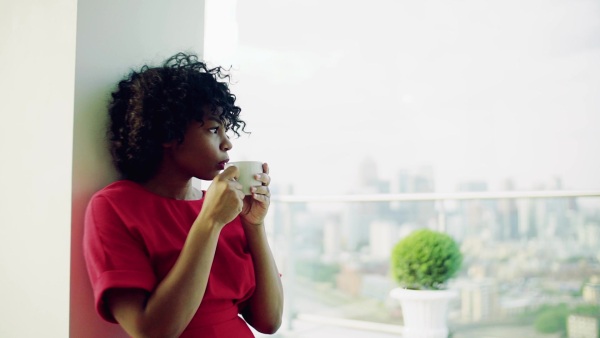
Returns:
(226, 144)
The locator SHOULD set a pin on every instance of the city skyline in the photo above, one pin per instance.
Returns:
(521, 256)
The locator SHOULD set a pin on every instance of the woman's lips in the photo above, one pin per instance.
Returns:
(222, 164)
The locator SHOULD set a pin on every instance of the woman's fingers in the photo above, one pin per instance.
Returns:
(261, 190)
(264, 178)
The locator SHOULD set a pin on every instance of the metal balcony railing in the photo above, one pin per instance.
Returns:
(285, 202)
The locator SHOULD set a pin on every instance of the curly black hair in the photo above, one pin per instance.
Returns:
(155, 105)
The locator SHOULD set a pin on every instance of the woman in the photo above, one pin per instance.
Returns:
(166, 259)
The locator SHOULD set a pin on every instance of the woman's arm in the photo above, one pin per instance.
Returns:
(170, 307)
(265, 307)
(167, 311)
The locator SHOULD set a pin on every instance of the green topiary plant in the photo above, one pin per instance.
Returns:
(425, 260)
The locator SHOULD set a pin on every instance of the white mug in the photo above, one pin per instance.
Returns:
(247, 170)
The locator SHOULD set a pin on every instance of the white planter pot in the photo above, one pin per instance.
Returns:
(425, 312)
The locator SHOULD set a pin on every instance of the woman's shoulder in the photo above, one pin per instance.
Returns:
(120, 188)
(121, 192)
(121, 197)
(127, 192)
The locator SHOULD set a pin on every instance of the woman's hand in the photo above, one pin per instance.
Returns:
(256, 205)
(224, 197)
(265, 307)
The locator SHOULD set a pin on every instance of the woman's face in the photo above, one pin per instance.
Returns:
(203, 152)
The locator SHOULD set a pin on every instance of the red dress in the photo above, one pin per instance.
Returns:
(132, 239)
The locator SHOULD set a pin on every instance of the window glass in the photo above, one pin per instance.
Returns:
(435, 96)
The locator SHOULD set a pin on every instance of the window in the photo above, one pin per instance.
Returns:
(389, 97)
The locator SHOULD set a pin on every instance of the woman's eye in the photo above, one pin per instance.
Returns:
(214, 130)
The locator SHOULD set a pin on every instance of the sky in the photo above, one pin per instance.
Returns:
(477, 90)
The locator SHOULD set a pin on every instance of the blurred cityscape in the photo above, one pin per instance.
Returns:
(529, 263)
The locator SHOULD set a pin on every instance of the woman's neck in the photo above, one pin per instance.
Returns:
(172, 188)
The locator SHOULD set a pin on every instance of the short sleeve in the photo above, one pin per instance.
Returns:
(114, 252)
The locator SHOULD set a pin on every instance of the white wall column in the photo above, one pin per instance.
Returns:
(37, 64)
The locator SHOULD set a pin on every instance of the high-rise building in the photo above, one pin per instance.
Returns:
(591, 291)
(370, 183)
(551, 214)
(526, 219)
(582, 326)
(589, 234)
(507, 216)
(420, 180)
(477, 214)
(383, 235)
(332, 238)
(355, 220)
(479, 300)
